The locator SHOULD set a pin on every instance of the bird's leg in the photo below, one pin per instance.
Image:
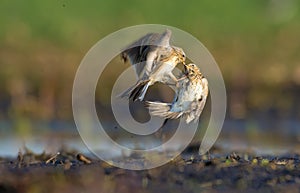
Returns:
(170, 84)
(171, 75)
(182, 78)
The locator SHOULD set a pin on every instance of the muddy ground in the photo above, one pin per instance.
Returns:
(69, 171)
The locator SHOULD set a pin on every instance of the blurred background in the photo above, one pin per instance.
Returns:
(256, 44)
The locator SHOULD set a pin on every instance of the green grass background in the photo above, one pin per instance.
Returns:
(256, 44)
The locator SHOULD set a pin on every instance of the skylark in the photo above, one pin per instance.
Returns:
(154, 60)
(189, 99)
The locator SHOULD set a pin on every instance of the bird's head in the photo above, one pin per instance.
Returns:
(180, 54)
(192, 70)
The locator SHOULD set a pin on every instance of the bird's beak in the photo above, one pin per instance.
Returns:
(185, 68)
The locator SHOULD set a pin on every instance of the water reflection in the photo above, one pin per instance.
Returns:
(237, 135)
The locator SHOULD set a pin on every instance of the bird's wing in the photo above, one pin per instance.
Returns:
(163, 43)
(164, 39)
(143, 52)
(137, 52)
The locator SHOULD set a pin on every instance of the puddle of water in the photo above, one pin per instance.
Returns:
(10, 145)
(234, 137)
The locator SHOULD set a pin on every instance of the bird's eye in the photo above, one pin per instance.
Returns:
(183, 55)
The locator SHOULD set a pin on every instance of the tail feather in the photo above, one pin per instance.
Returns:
(144, 91)
(139, 90)
(163, 110)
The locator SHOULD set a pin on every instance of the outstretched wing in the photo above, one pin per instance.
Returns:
(164, 39)
(143, 52)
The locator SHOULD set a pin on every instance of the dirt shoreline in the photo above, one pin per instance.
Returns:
(73, 172)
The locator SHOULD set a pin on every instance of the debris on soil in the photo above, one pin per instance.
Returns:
(83, 159)
(70, 171)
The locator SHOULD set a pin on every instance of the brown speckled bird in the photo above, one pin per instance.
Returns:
(154, 60)
(189, 99)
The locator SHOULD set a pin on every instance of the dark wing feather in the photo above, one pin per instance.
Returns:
(138, 51)
(138, 89)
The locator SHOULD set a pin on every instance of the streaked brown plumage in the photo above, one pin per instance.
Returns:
(189, 100)
(154, 60)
